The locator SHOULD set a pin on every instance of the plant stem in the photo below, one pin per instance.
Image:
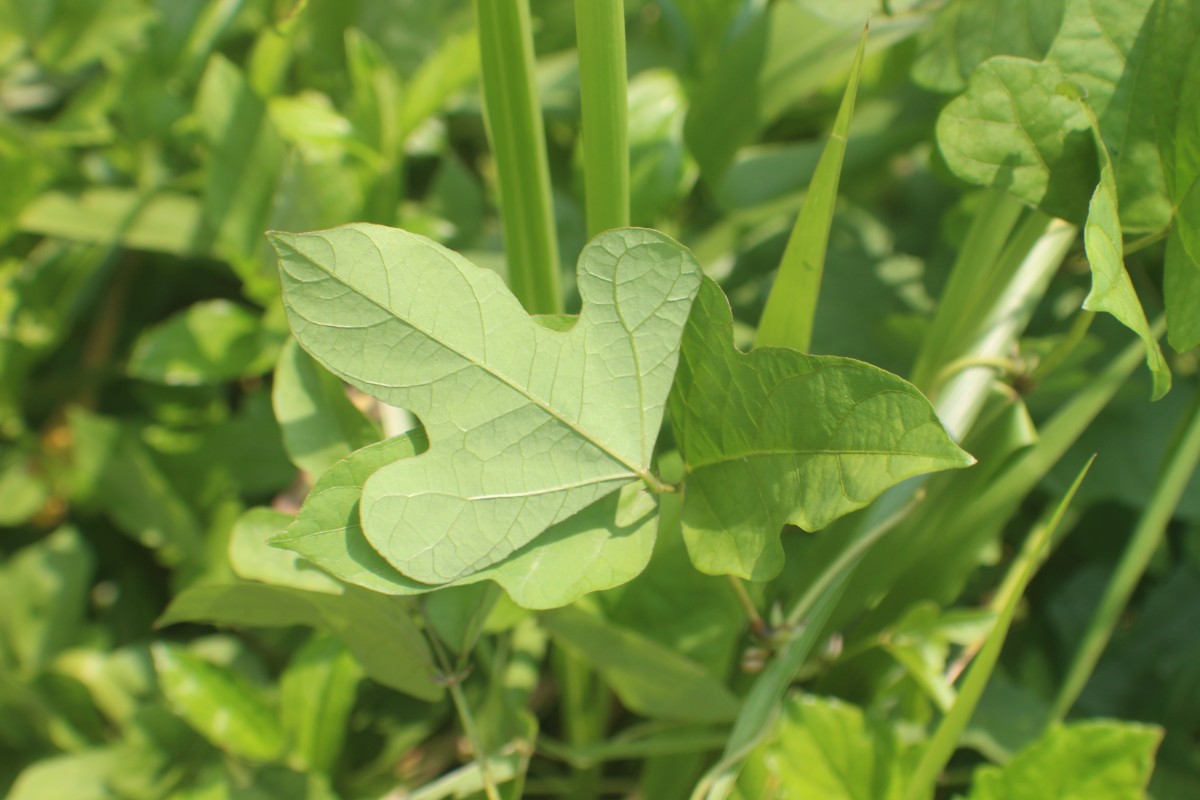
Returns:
(1172, 481)
(1006, 366)
(1062, 351)
(600, 35)
(757, 625)
(514, 120)
(454, 686)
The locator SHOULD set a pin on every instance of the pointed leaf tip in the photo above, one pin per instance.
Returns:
(776, 437)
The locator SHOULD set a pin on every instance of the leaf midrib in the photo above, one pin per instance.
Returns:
(635, 470)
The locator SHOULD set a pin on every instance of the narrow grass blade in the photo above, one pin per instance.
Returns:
(514, 118)
(758, 709)
(600, 26)
(787, 320)
(937, 753)
(1172, 481)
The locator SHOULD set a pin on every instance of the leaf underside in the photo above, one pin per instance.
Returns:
(527, 426)
(605, 545)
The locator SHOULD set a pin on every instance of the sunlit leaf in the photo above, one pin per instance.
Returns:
(605, 545)
(527, 426)
(775, 436)
(217, 705)
(374, 627)
(1082, 761)
(822, 747)
(210, 342)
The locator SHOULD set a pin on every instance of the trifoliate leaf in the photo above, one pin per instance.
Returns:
(775, 436)
(527, 426)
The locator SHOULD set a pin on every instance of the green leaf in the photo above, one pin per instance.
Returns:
(245, 156)
(1181, 287)
(319, 423)
(316, 697)
(165, 222)
(966, 33)
(695, 615)
(1013, 130)
(650, 679)
(253, 560)
(217, 705)
(605, 545)
(527, 426)
(661, 172)
(375, 628)
(775, 436)
(211, 342)
(826, 748)
(1112, 290)
(43, 597)
(1106, 48)
(23, 489)
(114, 471)
(449, 68)
(80, 32)
(777, 57)
(1083, 761)
(80, 776)
(1175, 99)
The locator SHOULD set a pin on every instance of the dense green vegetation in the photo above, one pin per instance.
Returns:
(840, 457)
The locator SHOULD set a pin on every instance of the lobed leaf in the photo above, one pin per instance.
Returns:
(603, 546)
(527, 426)
(1013, 130)
(775, 436)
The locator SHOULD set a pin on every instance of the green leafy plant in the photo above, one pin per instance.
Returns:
(840, 475)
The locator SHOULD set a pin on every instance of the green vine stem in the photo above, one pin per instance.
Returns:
(514, 119)
(600, 33)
